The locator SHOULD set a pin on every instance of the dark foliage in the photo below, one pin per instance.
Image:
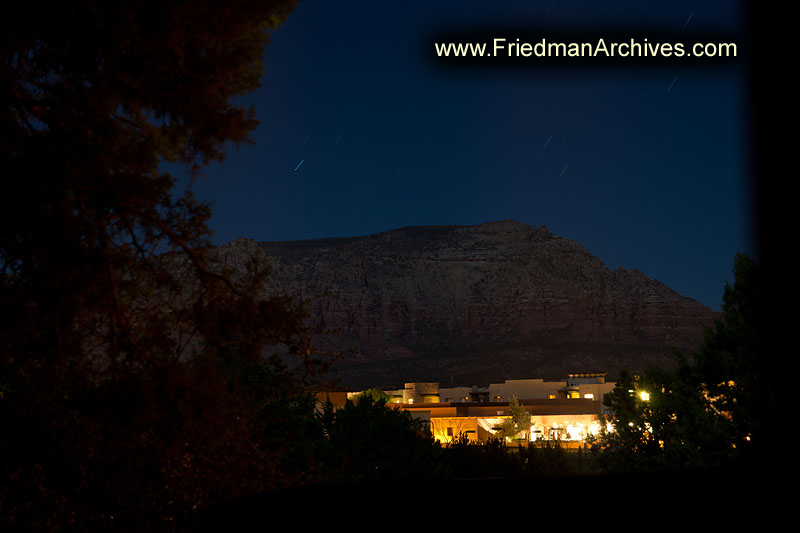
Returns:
(369, 441)
(732, 364)
(470, 460)
(494, 459)
(133, 387)
(708, 413)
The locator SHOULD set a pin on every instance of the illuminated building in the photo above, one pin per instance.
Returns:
(566, 410)
(553, 419)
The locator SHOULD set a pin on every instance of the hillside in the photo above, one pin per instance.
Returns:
(472, 304)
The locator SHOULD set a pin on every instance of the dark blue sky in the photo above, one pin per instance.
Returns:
(646, 166)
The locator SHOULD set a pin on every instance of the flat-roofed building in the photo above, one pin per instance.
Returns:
(455, 394)
(421, 393)
(592, 386)
(525, 388)
(553, 419)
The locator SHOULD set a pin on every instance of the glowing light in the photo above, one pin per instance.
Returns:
(574, 432)
(644, 396)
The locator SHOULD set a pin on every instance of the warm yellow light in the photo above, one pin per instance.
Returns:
(589, 396)
(574, 432)
(644, 396)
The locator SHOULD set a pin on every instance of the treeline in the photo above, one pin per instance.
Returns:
(140, 381)
(713, 410)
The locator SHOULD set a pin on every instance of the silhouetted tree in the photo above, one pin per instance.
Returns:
(119, 395)
(707, 412)
(660, 421)
(369, 441)
(731, 364)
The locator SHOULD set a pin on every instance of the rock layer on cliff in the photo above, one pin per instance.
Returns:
(472, 304)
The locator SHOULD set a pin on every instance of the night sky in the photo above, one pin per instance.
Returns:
(363, 130)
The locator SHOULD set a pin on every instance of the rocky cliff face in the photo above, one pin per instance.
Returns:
(473, 304)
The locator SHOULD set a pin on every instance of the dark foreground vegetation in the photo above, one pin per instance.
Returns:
(623, 501)
(143, 386)
(715, 410)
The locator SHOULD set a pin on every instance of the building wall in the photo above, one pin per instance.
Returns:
(561, 419)
(524, 389)
(455, 394)
(416, 393)
(447, 429)
(396, 395)
(337, 398)
(568, 428)
(585, 379)
(564, 427)
(596, 390)
(535, 407)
